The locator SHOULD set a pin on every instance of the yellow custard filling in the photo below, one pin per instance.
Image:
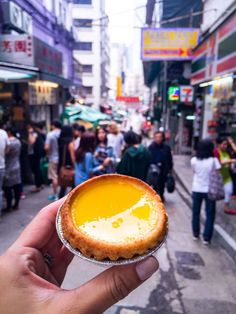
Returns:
(114, 211)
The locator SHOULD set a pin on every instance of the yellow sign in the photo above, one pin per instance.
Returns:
(168, 44)
(118, 86)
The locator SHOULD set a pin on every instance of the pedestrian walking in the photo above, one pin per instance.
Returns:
(103, 154)
(66, 156)
(115, 140)
(136, 158)
(78, 130)
(202, 165)
(35, 152)
(162, 157)
(12, 178)
(4, 143)
(84, 165)
(232, 152)
(51, 148)
(221, 152)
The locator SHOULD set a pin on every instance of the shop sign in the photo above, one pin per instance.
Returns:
(30, 51)
(173, 93)
(215, 56)
(168, 43)
(16, 17)
(42, 94)
(17, 49)
(186, 93)
(47, 58)
(129, 99)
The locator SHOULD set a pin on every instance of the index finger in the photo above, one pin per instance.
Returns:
(41, 228)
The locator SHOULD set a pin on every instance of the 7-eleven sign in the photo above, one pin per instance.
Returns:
(186, 93)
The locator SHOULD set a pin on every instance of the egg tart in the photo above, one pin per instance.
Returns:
(113, 216)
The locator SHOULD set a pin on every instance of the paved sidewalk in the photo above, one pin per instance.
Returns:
(12, 224)
(225, 225)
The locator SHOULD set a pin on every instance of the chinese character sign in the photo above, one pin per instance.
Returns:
(47, 58)
(16, 49)
(168, 44)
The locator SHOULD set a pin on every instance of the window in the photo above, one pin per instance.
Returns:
(87, 68)
(83, 1)
(85, 23)
(88, 90)
(84, 45)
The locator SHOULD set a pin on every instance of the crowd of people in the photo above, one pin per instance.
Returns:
(211, 158)
(74, 155)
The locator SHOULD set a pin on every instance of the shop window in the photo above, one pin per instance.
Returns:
(87, 68)
(84, 45)
(83, 23)
(88, 90)
(83, 1)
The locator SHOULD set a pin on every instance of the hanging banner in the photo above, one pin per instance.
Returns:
(168, 43)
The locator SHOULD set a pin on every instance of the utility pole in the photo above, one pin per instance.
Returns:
(164, 97)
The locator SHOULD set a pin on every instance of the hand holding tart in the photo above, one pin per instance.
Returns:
(113, 217)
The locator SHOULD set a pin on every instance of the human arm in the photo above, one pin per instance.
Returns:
(29, 284)
(47, 144)
(71, 149)
(225, 161)
(89, 165)
(232, 144)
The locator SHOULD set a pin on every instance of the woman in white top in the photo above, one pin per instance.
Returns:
(202, 165)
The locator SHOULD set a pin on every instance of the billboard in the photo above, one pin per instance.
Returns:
(168, 43)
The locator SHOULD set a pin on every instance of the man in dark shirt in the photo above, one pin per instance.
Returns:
(161, 156)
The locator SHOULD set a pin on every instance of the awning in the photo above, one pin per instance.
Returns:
(81, 112)
(56, 79)
(10, 72)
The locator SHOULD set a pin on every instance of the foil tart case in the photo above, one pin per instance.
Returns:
(105, 262)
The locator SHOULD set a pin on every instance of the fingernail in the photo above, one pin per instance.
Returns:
(146, 268)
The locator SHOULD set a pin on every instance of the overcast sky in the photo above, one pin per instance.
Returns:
(121, 26)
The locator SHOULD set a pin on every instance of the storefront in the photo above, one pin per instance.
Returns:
(213, 75)
(32, 86)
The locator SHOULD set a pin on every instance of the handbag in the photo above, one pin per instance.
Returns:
(216, 185)
(170, 183)
(66, 173)
(153, 174)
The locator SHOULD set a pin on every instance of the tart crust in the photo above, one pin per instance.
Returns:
(100, 250)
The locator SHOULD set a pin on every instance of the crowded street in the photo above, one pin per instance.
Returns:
(117, 157)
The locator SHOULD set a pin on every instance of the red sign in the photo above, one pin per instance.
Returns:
(17, 49)
(128, 99)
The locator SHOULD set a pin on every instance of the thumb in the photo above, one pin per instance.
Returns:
(109, 287)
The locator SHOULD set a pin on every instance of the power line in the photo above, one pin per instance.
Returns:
(160, 22)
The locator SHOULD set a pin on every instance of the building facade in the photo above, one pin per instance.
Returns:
(214, 69)
(92, 48)
(36, 59)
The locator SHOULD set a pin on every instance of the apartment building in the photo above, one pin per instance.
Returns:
(92, 48)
